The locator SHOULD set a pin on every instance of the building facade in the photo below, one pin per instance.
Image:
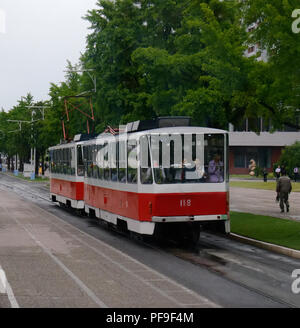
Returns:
(265, 148)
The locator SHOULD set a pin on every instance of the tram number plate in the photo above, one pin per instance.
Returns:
(185, 203)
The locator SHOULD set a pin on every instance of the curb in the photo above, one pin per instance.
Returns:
(270, 247)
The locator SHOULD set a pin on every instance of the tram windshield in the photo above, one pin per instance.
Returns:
(188, 158)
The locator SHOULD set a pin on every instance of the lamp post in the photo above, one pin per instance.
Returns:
(33, 150)
(20, 122)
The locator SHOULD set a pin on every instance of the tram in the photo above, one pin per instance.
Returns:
(161, 175)
(67, 173)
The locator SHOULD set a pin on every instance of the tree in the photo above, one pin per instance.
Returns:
(290, 158)
(277, 82)
(205, 75)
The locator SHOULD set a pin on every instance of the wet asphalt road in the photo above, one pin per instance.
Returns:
(226, 272)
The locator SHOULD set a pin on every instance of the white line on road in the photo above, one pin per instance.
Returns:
(87, 290)
(202, 300)
(5, 288)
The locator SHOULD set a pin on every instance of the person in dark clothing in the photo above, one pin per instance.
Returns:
(283, 189)
(296, 172)
(265, 174)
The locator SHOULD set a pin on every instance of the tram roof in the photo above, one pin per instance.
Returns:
(167, 130)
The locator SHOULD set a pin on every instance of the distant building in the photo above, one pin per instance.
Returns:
(255, 49)
(265, 148)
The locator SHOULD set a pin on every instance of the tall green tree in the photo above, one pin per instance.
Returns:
(205, 75)
(276, 82)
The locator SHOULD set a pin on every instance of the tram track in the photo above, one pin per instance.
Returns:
(210, 265)
(208, 253)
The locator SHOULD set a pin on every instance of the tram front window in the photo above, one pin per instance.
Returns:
(188, 158)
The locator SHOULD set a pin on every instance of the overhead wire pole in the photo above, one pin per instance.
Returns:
(33, 150)
(20, 122)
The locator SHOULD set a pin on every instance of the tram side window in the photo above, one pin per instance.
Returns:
(106, 162)
(122, 161)
(51, 154)
(64, 155)
(90, 162)
(72, 161)
(132, 161)
(59, 153)
(67, 161)
(99, 161)
(86, 160)
(80, 164)
(94, 162)
(146, 170)
(214, 158)
(57, 161)
(113, 161)
(69, 171)
(178, 158)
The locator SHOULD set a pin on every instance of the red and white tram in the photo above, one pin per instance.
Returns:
(158, 175)
(67, 174)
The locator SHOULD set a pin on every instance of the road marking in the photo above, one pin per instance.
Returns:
(5, 288)
(182, 288)
(87, 290)
(203, 300)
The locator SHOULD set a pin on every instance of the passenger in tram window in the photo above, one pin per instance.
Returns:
(216, 169)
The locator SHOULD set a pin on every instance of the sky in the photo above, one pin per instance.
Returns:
(37, 37)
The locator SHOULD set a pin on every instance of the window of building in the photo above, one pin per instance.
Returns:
(261, 155)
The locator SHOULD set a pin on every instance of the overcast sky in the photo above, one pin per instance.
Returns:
(40, 36)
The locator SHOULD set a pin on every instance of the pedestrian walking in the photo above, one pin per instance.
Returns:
(277, 172)
(296, 172)
(265, 174)
(283, 189)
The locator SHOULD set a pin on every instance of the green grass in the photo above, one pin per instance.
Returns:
(248, 176)
(266, 228)
(37, 178)
(270, 185)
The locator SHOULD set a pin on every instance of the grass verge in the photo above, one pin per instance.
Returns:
(37, 179)
(270, 185)
(266, 228)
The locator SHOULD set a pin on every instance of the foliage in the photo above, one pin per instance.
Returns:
(277, 82)
(158, 58)
(290, 158)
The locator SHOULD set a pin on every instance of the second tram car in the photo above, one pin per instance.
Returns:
(67, 173)
(162, 175)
